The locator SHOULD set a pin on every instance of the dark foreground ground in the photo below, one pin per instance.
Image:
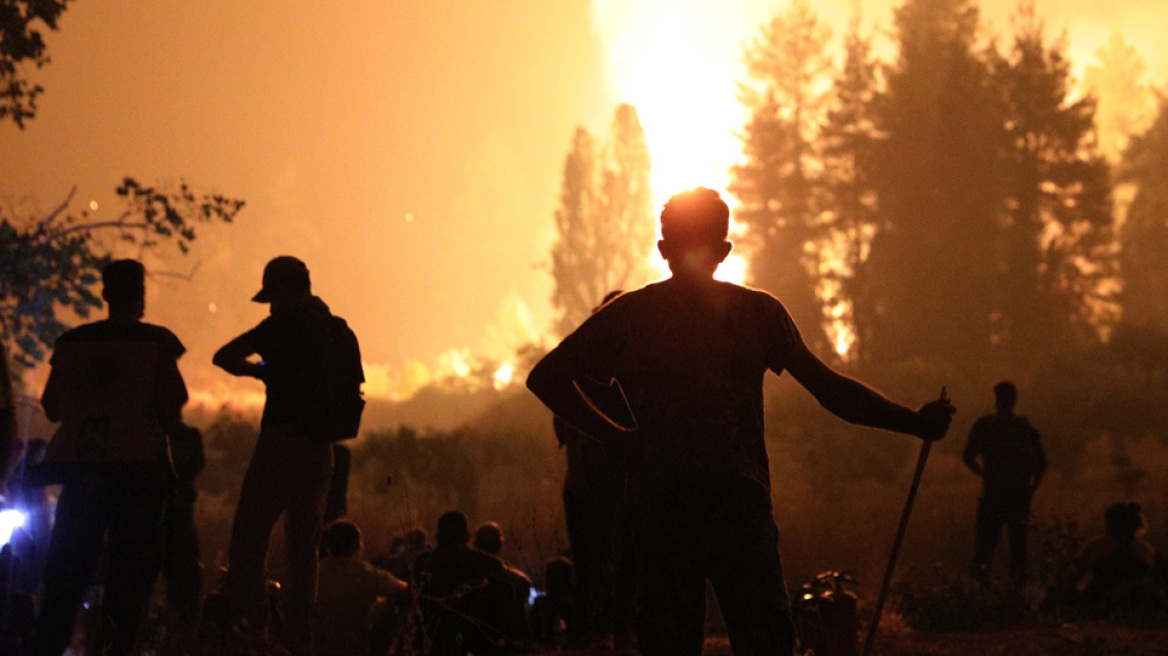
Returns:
(1067, 640)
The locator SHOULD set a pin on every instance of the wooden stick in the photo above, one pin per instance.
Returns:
(900, 531)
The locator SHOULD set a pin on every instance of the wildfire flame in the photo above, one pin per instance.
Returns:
(664, 59)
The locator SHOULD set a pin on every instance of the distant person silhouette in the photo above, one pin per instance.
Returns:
(350, 591)
(400, 561)
(452, 581)
(690, 354)
(1006, 452)
(554, 615)
(116, 390)
(290, 471)
(594, 512)
(511, 589)
(1120, 571)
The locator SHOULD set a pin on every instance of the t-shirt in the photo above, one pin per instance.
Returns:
(348, 590)
(113, 386)
(293, 347)
(1011, 453)
(690, 359)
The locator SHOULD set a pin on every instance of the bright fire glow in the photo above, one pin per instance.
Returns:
(503, 374)
(678, 63)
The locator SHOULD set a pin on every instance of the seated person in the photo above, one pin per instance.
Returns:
(1120, 571)
(349, 591)
(553, 615)
(453, 586)
(512, 587)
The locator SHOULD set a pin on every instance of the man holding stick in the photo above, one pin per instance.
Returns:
(690, 354)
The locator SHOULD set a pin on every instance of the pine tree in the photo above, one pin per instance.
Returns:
(933, 265)
(1117, 80)
(1059, 269)
(848, 139)
(778, 185)
(1144, 236)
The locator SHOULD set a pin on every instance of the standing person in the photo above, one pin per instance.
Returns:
(1006, 452)
(292, 466)
(116, 389)
(690, 354)
(598, 533)
(182, 568)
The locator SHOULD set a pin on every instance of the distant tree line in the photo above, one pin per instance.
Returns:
(966, 201)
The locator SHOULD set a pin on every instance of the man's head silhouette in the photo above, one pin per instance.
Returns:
(124, 288)
(453, 529)
(694, 225)
(1005, 396)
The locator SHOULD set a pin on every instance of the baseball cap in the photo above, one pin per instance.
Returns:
(283, 271)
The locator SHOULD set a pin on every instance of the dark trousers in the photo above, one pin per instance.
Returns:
(181, 567)
(602, 554)
(288, 475)
(992, 515)
(123, 512)
(717, 530)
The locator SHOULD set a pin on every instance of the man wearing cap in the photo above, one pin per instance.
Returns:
(690, 354)
(290, 470)
(116, 390)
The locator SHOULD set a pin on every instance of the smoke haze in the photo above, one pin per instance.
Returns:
(409, 152)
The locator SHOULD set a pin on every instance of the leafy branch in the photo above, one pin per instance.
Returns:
(50, 265)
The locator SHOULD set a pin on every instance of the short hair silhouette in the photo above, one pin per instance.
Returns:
(489, 538)
(416, 538)
(123, 282)
(453, 529)
(342, 538)
(695, 216)
(1124, 520)
(1006, 394)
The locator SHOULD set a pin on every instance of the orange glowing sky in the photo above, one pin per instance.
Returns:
(410, 152)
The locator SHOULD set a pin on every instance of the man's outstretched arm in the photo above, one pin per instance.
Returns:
(856, 403)
(234, 356)
(553, 381)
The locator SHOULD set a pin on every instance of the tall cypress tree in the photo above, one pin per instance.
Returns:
(604, 222)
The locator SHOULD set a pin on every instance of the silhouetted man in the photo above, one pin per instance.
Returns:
(291, 468)
(598, 533)
(351, 590)
(1005, 450)
(453, 581)
(181, 566)
(511, 588)
(690, 354)
(116, 389)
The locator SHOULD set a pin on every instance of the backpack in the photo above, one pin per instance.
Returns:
(344, 400)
